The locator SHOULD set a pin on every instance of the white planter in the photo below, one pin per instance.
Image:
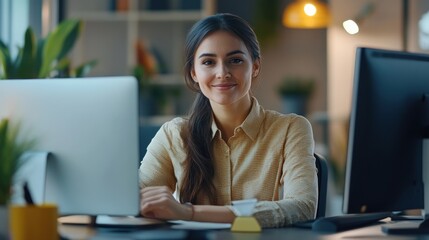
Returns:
(4, 222)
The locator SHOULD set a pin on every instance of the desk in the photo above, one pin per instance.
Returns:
(84, 232)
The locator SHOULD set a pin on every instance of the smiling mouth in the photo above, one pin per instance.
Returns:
(225, 86)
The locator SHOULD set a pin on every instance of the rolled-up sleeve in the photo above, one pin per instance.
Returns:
(298, 180)
(156, 168)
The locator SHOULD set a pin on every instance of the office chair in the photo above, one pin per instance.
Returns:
(322, 182)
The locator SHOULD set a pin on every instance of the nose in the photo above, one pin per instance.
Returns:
(223, 72)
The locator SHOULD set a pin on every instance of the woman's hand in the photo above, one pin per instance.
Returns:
(158, 202)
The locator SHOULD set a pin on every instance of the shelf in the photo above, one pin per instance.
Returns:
(100, 16)
(168, 79)
(174, 15)
(158, 16)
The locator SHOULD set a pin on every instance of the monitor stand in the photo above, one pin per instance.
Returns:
(416, 227)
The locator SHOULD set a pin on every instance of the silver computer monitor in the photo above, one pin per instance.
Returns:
(90, 126)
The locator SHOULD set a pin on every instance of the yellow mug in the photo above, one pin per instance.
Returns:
(33, 222)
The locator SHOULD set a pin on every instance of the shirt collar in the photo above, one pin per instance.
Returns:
(251, 124)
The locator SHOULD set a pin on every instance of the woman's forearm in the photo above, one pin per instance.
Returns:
(208, 213)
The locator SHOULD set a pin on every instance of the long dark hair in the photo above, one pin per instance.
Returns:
(199, 170)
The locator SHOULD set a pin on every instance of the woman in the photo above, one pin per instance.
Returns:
(229, 148)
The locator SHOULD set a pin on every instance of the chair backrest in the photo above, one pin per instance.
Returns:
(322, 177)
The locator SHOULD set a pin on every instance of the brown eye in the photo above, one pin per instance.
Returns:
(236, 61)
(207, 62)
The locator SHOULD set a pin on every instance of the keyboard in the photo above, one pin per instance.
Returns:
(347, 222)
(407, 227)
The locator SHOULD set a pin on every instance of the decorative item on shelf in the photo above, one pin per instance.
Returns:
(154, 96)
(12, 146)
(44, 58)
(295, 92)
(122, 5)
(119, 5)
(352, 25)
(306, 14)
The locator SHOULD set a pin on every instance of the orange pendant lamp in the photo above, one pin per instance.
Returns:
(306, 14)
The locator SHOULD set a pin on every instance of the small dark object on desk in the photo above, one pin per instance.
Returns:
(347, 222)
(27, 194)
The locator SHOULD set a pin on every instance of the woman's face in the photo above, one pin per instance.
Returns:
(223, 68)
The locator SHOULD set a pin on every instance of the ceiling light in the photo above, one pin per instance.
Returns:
(352, 25)
(306, 14)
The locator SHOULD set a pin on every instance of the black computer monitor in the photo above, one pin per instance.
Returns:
(387, 124)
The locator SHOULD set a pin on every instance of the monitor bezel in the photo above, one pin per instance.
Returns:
(365, 70)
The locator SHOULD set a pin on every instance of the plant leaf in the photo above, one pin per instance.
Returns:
(54, 45)
(63, 68)
(26, 68)
(71, 38)
(4, 164)
(11, 149)
(85, 68)
(5, 61)
(3, 131)
(14, 67)
(39, 55)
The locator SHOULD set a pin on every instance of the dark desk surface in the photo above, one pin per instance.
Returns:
(165, 232)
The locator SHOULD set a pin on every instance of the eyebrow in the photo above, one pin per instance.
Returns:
(229, 54)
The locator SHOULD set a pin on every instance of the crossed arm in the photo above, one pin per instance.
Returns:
(159, 202)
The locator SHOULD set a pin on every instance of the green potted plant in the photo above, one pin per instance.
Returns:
(44, 58)
(295, 92)
(12, 146)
